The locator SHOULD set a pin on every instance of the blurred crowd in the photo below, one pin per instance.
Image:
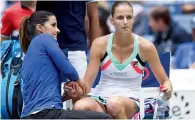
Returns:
(169, 25)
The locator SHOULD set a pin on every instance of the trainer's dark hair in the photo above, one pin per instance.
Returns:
(28, 27)
(117, 3)
(160, 12)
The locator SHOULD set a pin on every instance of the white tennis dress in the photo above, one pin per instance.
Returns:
(121, 79)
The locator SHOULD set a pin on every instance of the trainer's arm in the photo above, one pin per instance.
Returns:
(58, 58)
(92, 12)
(94, 63)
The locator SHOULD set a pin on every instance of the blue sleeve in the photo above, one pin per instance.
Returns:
(58, 57)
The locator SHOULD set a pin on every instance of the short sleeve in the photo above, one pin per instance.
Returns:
(7, 26)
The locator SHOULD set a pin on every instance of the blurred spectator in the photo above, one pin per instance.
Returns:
(13, 16)
(140, 19)
(103, 17)
(185, 54)
(168, 33)
(188, 8)
(103, 27)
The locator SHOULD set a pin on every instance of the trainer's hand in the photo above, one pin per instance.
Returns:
(73, 85)
(71, 89)
(167, 88)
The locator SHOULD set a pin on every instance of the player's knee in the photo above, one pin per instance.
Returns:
(82, 105)
(114, 106)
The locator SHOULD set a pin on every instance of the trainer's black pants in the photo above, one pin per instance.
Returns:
(68, 114)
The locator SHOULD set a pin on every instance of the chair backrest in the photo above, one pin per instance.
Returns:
(149, 80)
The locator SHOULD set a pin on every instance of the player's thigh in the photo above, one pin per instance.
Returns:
(130, 105)
(125, 103)
(90, 103)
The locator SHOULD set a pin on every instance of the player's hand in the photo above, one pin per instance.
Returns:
(167, 88)
(83, 86)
